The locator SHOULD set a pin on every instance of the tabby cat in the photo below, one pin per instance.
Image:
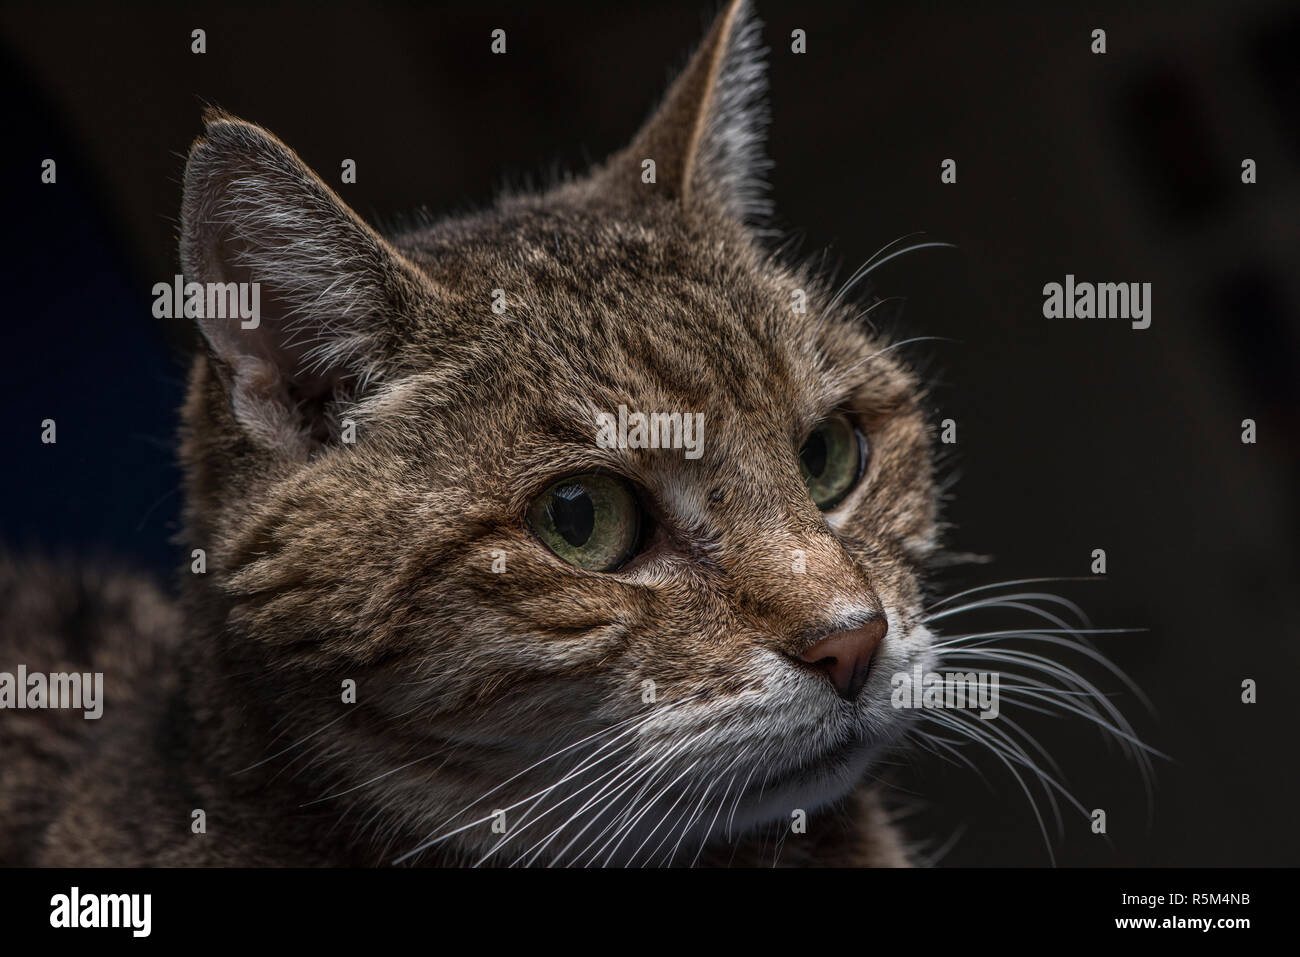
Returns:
(432, 619)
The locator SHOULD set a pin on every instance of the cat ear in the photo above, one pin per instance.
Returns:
(707, 137)
(325, 288)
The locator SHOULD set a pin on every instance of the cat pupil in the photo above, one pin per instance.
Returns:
(814, 454)
(573, 514)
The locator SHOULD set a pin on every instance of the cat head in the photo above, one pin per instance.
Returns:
(434, 467)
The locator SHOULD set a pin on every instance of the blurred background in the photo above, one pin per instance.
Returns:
(1072, 434)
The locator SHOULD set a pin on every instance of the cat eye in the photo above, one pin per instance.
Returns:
(593, 521)
(832, 460)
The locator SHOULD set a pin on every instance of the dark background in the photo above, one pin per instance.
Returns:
(1073, 434)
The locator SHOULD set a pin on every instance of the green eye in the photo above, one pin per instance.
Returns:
(832, 460)
(593, 521)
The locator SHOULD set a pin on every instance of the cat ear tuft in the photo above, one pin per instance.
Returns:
(326, 287)
(708, 136)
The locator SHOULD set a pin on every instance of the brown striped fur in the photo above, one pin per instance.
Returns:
(373, 561)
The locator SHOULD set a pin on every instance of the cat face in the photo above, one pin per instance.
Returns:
(402, 479)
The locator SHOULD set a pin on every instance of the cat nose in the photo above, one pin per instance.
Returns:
(845, 657)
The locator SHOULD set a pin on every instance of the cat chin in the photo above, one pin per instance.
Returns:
(808, 788)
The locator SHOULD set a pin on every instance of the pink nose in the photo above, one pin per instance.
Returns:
(845, 657)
